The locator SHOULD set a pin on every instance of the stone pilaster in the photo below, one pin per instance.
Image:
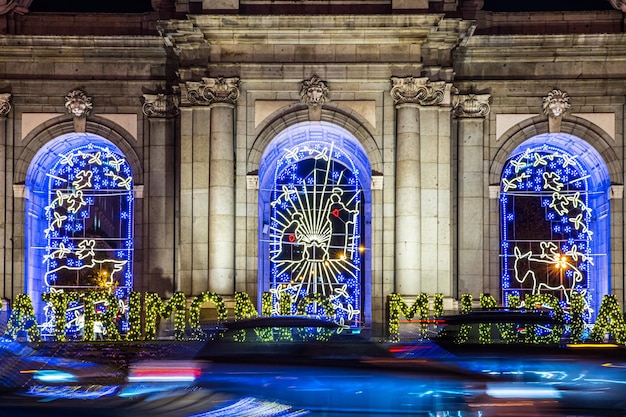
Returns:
(423, 186)
(160, 180)
(471, 110)
(220, 94)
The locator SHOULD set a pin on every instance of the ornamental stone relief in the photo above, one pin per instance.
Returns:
(314, 92)
(555, 105)
(472, 105)
(78, 104)
(213, 90)
(5, 104)
(418, 91)
(160, 105)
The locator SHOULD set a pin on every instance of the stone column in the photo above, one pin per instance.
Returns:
(194, 191)
(423, 230)
(220, 94)
(472, 260)
(160, 272)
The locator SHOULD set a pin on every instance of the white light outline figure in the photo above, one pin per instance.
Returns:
(302, 218)
(565, 203)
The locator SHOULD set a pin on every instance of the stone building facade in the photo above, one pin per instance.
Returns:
(348, 150)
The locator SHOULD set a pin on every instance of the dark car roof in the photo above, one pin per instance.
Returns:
(278, 321)
(501, 316)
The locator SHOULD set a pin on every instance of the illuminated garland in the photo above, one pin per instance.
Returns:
(397, 305)
(466, 303)
(577, 324)
(437, 305)
(266, 304)
(515, 301)
(194, 312)
(23, 318)
(534, 333)
(244, 309)
(484, 329)
(134, 317)
(59, 302)
(610, 320)
(154, 308)
(312, 300)
(106, 316)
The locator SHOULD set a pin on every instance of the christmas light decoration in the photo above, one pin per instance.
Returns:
(438, 305)
(244, 309)
(315, 228)
(610, 321)
(396, 306)
(134, 317)
(100, 306)
(59, 302)
(194, 312)
(89, 224)
(154, 307)
(547, 221)
(577, 324)
(22, 319)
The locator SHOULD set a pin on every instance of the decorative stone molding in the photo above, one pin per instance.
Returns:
(160, 105)
(555, 105)
(616, 192)
(252, 182)
(78, 104)
(5, 104)
(419, 91)
(314, 92)
(472, 105)
(494, 192)
(213, 90)
(619, 4)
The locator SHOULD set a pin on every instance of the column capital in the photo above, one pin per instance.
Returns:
(213, 90)
(5, 104)
(471, 105)
(160, 105)
(420, 91)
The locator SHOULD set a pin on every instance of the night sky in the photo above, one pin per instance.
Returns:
(140, 6)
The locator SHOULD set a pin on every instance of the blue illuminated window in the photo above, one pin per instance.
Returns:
(554, 222)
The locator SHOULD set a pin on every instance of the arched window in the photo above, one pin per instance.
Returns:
(315, 188)
(554, 220)
(80, 218)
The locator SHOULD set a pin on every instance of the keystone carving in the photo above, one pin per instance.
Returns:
(419, 91)
(5, 104)
(472, 105)
(78, 104)
(555, 105)
(213, 90)
(314, 92)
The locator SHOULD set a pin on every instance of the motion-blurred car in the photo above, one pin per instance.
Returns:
(25, 368)
(320, 367)
(530, 347)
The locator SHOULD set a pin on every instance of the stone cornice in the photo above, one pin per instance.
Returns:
(241, 39)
